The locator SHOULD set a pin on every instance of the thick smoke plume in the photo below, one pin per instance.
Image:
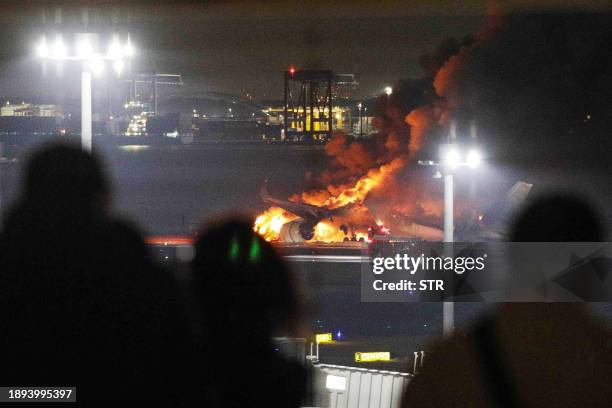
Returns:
(532, 81)
(527, 80)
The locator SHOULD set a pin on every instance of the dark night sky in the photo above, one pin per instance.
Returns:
(241, 47)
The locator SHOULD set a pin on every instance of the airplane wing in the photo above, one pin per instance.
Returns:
(305, 211)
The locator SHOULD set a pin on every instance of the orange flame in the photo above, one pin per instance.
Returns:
(270, 222)
(340, 196)
(326, 231)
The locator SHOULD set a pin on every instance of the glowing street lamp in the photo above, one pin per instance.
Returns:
(388, 90)
(94, 61)
(451, 158)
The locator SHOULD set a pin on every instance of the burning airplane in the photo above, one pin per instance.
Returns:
(374, 181)
(296, 222)
(289, 221)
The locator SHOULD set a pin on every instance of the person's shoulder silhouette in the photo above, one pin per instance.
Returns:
(62, 219)
(247, 296)
(558, 217)
(526, 354)
(81, 305)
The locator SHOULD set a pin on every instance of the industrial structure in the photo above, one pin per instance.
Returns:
(308, 104)
(138, 110)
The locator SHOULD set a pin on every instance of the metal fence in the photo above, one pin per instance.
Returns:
(351, 387)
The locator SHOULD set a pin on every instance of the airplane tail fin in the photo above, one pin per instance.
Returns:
(518, 193)
(493, 221)
(498, 215)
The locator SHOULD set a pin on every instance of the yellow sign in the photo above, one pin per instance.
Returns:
(372, 356)
(324, 338)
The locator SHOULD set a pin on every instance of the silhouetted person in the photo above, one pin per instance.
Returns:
(526, 354)
(247, 296)
(80, 304)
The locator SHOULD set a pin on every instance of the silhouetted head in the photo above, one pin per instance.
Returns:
(62, 174)
(243, 283)
(559, 217)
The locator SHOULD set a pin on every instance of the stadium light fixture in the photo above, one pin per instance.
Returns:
(452, 157)
(59, 48)
(473, 158)
(93, 60)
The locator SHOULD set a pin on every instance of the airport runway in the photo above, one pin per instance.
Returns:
(357, 259)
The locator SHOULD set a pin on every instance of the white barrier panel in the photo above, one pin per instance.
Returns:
(352, 387)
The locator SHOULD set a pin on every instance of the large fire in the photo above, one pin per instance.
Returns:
(369, 169)
(340, 196)
(365, 180)
(270, 222)
(350, 195)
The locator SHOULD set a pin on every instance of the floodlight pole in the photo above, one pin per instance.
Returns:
(449, 159)
(86, 132)
(448, 207)
(448, 308)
